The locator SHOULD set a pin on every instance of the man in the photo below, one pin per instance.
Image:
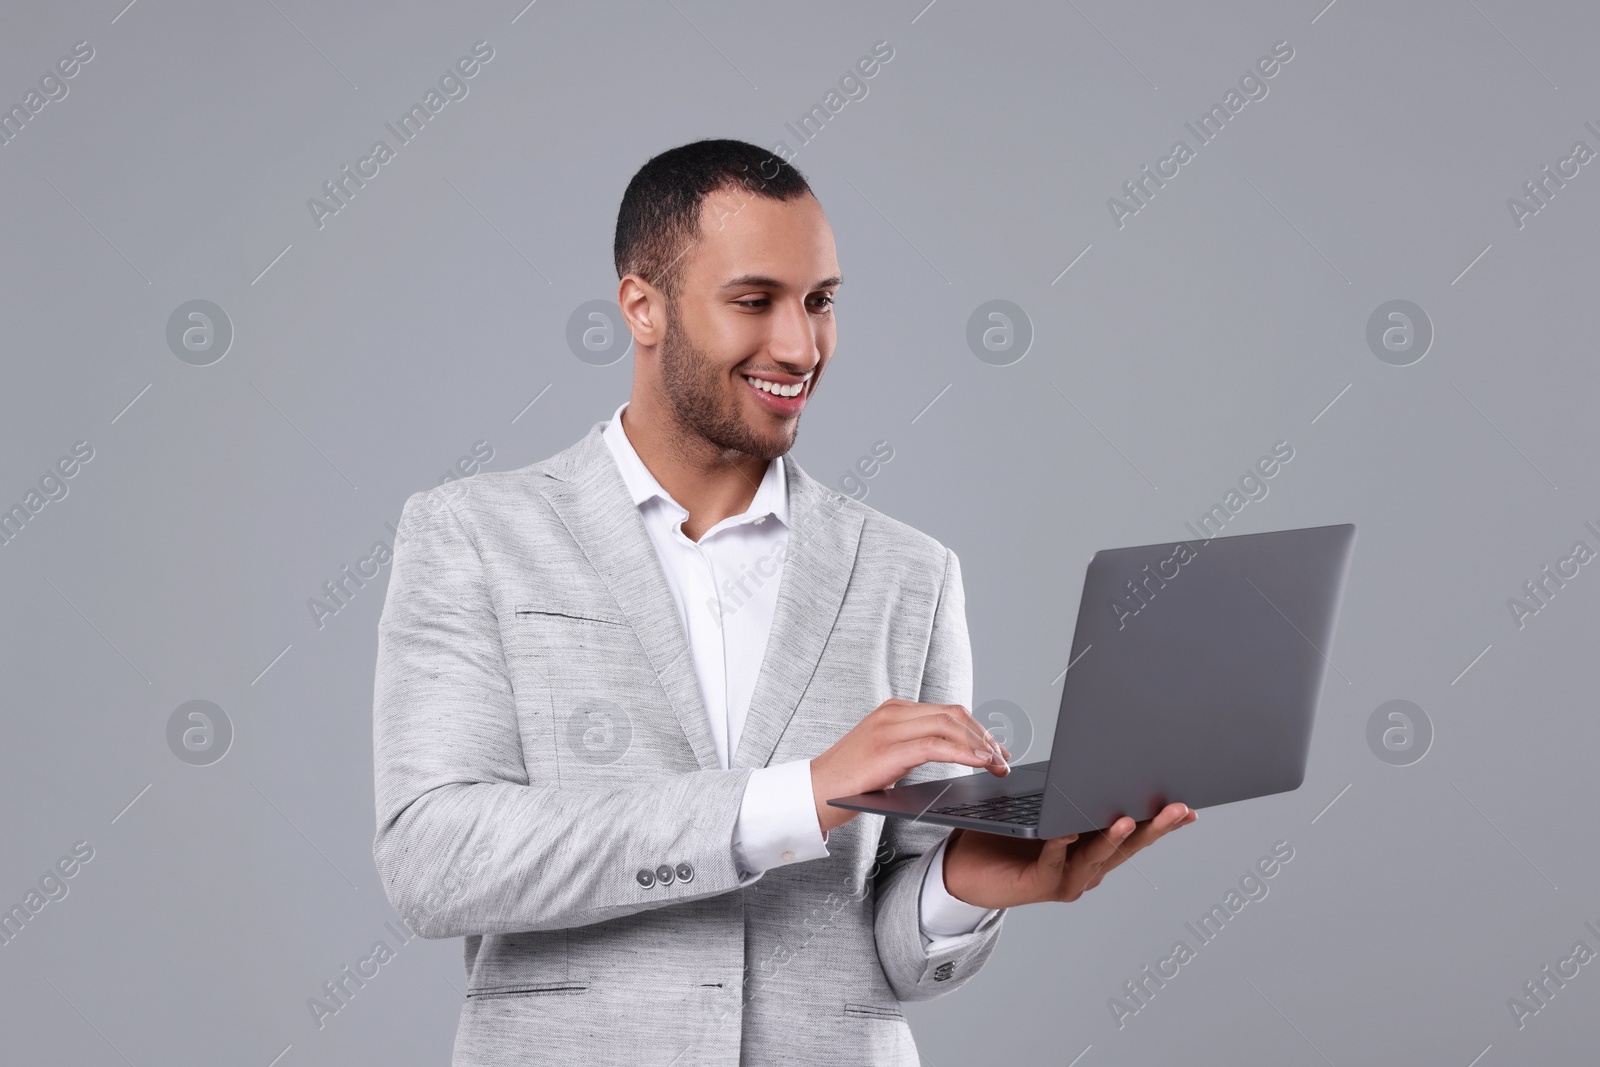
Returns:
(616, 688)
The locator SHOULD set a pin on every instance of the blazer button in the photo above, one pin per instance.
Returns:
(685, 872)
(943, 972)
(664, 874)
(646, 878)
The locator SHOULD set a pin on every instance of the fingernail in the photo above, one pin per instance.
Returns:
(982, 753)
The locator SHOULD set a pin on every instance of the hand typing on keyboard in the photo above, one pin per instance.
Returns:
(890, 742)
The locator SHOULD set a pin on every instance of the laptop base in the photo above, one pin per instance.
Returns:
(921, 802)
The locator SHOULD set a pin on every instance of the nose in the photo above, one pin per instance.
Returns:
(793, 340)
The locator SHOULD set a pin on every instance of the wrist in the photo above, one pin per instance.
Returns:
(828, 817)
(954, 869)
(944, 864)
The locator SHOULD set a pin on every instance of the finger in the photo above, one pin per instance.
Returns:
(1164, 822)
(1047, 871)
(956, 713)
(979, 734)
(967, 715)
(978, 737)
(944, 722)
(977, 725)
(1146, 834)
(934, 748)
(1084, 863)
(894, 708)
(964, 719)
(1168, 819)
(1055, 850)
(1103, 844)
(952, 727)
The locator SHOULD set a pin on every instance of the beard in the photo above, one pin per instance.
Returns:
(697, 392)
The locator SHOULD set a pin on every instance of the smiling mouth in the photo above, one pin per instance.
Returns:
(779, 389)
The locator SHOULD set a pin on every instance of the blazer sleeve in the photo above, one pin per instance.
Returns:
(907, 847)
(465, 843)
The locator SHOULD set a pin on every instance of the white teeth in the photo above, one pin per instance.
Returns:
(775, 388)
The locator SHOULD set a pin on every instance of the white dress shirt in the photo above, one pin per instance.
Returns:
(726, 590)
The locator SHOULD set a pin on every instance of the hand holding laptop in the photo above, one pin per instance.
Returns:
(992, 871)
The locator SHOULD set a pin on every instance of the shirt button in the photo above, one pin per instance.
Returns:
(664, 874)
(788, 855)
(645, 878)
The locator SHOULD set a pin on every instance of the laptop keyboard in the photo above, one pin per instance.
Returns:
(1023, 810)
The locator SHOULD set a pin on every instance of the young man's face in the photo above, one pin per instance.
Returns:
(755, 304)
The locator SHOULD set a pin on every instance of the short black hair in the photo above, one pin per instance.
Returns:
(659, 220)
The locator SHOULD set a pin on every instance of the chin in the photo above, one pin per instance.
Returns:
(764, 442)
(773, 447)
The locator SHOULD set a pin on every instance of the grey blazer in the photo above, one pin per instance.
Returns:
(547, 787)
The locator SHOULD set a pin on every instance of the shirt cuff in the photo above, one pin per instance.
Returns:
(941, 915)
(777, 822)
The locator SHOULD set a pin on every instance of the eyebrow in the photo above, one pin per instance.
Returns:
(762, 281)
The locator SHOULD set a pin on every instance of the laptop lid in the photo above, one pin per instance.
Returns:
(1195, 672)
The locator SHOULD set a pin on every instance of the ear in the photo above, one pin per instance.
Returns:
(644, 309)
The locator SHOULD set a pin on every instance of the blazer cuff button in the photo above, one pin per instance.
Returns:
(646, 878)
(685, 873)
(664, 874)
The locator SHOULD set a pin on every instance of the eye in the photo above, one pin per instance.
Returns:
(821, 303)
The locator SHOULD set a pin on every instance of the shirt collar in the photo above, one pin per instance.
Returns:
(772, 495)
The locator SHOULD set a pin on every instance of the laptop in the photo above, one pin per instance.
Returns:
(1195, 672)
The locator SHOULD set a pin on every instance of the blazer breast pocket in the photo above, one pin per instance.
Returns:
(587, 696)
(553, 609)
(541, 631)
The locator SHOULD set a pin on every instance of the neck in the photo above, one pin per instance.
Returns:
(712, 483)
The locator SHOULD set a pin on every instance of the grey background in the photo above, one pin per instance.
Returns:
(1225, 316)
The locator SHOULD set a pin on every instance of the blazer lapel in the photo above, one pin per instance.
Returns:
(818, 562)
(588, 493)
(593, 502)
